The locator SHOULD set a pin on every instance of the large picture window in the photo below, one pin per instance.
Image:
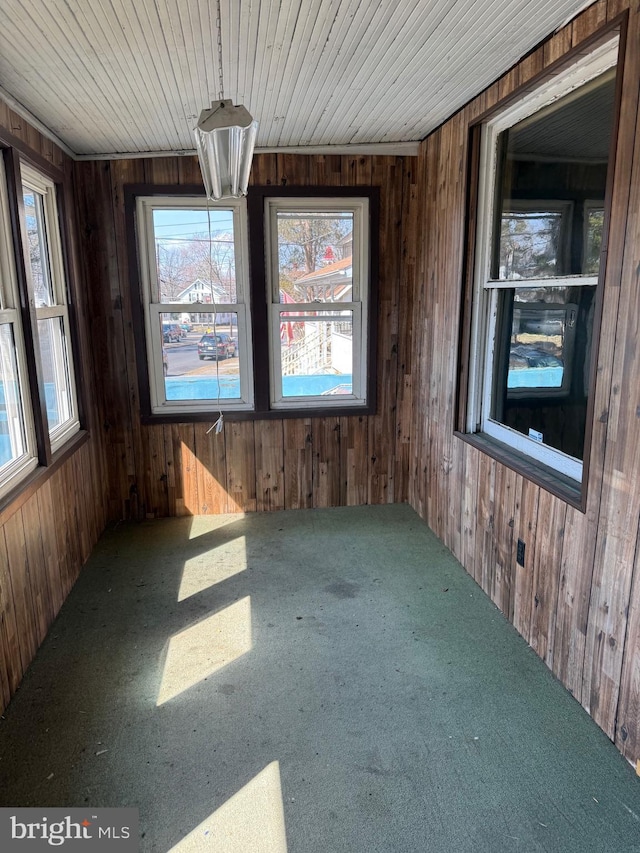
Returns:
(542, 183)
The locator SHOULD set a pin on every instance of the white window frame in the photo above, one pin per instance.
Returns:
(37, 182)
(486, 289)
(153, 308)
(16, 470)
(358, 306)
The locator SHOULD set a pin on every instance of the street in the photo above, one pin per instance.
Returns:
(183, 359)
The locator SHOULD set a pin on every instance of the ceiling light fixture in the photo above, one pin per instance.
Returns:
(225, 138)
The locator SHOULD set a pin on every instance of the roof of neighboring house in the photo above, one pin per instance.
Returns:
(326, 271)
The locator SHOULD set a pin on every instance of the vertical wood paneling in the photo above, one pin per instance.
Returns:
(590, 20)
(186, 471)
(38, 575)
(387, 174)
(485, 562)
(241, 466)
(12, 659)
(154, 460)
(354, 461)
(627, 733)
(127, 395)
(269, 450)
(326, 462)
(617, 531)
(47, 534)
(469, 509)
(264, 465)
(505, 549)
(410, 239)
(576, 599)
(547, 555)
(26, 619)
(211, 473)
(298, 464)
(100, 268)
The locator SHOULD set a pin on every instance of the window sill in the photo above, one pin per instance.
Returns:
(253, 415)
(562, 487)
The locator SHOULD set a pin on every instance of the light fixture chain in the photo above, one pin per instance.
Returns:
(219, 28)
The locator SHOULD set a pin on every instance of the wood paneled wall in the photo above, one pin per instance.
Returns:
(47, 533)
(577, 602)
(262, 465)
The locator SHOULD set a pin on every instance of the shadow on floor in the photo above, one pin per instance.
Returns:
(334, 672)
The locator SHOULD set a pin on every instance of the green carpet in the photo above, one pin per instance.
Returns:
(335, 671)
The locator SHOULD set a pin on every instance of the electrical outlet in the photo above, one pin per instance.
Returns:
(520, 553)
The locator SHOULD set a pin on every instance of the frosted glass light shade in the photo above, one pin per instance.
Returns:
(225, 138)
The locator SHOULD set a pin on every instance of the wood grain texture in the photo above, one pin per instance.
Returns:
(260, 465)
(617, 531)
(298, 463)
(576, 599)
(45, 539)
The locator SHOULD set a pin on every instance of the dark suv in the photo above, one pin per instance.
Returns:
(216, 346)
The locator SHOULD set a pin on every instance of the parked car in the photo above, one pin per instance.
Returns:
(526, 355)
(171, 333)
(218, 346)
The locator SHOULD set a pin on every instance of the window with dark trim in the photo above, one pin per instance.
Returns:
(542, 180)
(262, 307)
(39, 411)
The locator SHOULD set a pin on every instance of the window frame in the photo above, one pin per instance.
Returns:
(37, 181)
(481, 293)
(152, 310)
(257, 305)
(44, 460)
(358, 305)
(10, 314)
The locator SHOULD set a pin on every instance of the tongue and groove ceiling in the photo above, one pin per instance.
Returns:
(112, 77)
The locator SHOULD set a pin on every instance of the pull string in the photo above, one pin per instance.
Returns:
(219, 424)
(219, 29)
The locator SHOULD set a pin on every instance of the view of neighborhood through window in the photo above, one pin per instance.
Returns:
(198, 328)
(315, 267)
(196, 268)
(197, 334)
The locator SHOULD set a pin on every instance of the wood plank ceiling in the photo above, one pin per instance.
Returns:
(131, 76)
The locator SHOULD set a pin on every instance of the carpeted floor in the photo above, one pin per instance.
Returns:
(323, 681)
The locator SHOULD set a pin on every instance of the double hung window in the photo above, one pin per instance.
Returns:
(542, 182)
(38, 401)
(193, 260)
(17, 438)
(317, 278)
(45, 271)
(291, 334)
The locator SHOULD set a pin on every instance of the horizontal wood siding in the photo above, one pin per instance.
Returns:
(45, 538)
(265, 465)
(577, 598)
